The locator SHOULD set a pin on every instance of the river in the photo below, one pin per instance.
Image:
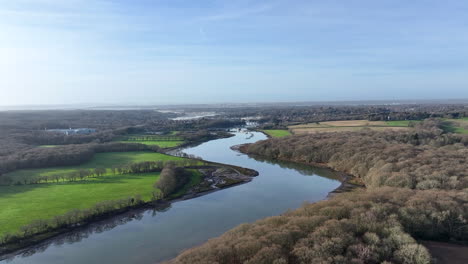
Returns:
(150, 236)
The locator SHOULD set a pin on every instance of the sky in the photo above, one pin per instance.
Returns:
(213, 51)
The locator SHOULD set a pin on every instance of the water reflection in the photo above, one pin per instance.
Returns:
(157, 234)
(78, 234)
(301, 168)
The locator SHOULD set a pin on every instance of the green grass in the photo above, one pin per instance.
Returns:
(277, 132)
(163, 141)
(100, 160)
(139, 137)
(162, 144)
(48, 146)
(401, 123)
(456, 125)
(461, 130)
(455, 129)
(19, 205)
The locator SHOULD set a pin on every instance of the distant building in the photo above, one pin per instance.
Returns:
(75, 131)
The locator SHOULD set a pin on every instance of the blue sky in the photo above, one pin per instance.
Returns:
(173, 51)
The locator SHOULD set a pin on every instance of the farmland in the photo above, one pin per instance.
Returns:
(21, 204)
(276, 132)
(350, 125)
(100, 160)
(459, 126)
(163, 141)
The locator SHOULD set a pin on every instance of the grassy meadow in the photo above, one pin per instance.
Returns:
(277, 132)
(163, 141)
(459, 126)
(21, 204)
(350, 125)
(100, 160)
(159, 143)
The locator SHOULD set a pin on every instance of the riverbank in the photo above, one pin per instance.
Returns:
(348, 181)
(216, 176)
(189, 221)
(194, 143)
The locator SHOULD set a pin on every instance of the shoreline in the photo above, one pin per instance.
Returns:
(346, 179)
(22, 246)
(14, 249)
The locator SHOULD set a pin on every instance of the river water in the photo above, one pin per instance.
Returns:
(151, 236)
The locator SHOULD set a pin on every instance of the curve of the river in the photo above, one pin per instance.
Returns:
(150, 236)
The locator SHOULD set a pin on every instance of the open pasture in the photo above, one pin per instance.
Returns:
(163, 141)
(459, 126)
(349, 125)
(276, 132)
(100, 160)
(21, 204)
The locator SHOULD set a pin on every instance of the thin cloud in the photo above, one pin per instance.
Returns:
(236, 14)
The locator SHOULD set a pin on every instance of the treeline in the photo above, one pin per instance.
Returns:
(424, 159)
(374, 226)
(63, 155)
(98, 119)
(55, 138)
(23, 130)
(282, 115)
(86, 174)
(172, 178)
(377, 225)
(71, 219)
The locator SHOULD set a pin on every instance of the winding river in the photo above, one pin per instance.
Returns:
(151, 236)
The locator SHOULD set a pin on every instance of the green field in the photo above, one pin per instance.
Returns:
(459, 126)
(461, 130)
(162, 143)
(276, 132)
(401, 123)
(20, 205)
(350, 125)
(455, 129)
(100, 160)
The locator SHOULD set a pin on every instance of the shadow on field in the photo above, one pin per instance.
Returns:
(6, 191)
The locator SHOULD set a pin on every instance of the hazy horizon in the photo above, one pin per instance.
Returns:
(118, 52)
(179, 106)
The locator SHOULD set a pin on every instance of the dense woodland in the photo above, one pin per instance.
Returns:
(416, 180)
(377, 226)
(422, 159)
(417, 190)
(21, 132)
